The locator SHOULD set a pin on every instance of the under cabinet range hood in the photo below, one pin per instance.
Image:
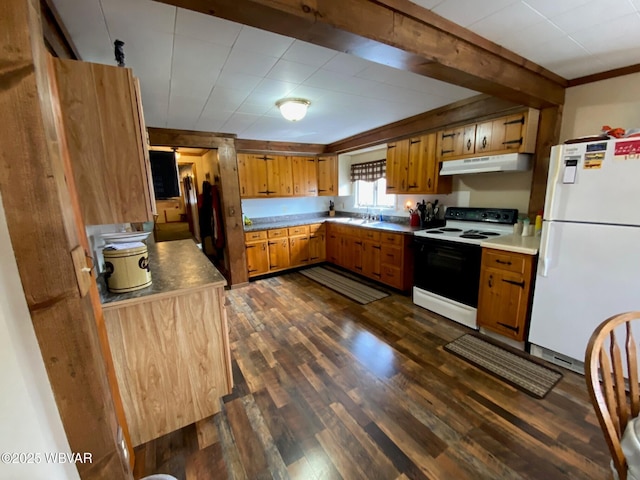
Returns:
(510, 162)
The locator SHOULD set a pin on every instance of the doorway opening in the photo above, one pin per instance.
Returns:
(196, 213)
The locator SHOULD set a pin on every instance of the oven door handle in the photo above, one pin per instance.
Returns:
(453, 255)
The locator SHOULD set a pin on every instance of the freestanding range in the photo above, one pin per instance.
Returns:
(447, 260)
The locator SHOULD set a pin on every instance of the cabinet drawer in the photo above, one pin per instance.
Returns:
(277, 233)
(335, 229)
(511, 262)
(369, 234)
(349, 230)
(316, 228)
(300, 230)
(253, 236)
(392, 276)
(392, 239)
(391, 255)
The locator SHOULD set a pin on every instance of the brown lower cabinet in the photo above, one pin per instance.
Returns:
(171, 358)
(317, 243)
(505, 292)
(382, 256)
(284, 248)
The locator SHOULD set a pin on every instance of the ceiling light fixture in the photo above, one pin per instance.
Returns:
(293, 109)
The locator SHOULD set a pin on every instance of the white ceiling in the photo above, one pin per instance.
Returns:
(199, 72)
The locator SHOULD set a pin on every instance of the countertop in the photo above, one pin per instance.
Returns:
(176, 265)
(514, 243)
(383, 226)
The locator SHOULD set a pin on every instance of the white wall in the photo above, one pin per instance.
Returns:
(29, 418)
(614, 102)
(273, 207)
(499, 190)
(494, 190)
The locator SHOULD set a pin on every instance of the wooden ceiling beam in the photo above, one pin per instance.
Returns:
(243, 145)
(400, 35)
(168, 137)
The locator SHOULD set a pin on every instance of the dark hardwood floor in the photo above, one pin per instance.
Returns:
(326, 388)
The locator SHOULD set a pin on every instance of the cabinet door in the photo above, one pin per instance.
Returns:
(318, 246)
(278, 254)
(244, 177)
(353, 254)
(450, 143)
(305, 176)
(502, 303)
(416, 168)
(484, 137)
(257, 258)
(333, 245)
(298, 250)
(371, 259)
(513, 132)
(328, 175)
(397, 163)
(469, 140)
(256, 176)
(311, 176)
(434, 183)
(279, 176)
(106, 140)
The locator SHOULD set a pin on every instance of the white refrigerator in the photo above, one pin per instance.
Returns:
(589, 259)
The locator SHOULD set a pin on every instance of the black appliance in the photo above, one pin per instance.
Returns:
(447, 260)
(164, 172)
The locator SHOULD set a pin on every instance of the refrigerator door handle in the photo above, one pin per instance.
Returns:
(554, 175)
(544, 259)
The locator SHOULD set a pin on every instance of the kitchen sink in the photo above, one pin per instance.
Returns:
(356, 221)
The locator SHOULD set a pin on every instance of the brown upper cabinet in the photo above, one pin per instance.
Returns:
(104, 129)
(328, 175)
(512, 133)
(450, 143)
(305, 176)
(265, 176)
(412, 167)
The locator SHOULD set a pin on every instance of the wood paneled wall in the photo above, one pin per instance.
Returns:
(548, 136)
(45, 226)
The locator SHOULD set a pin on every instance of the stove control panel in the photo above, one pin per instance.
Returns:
(507, 216)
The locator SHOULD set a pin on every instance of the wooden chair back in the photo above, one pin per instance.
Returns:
(605, 376)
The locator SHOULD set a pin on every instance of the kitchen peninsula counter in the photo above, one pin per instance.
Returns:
(170, 342)
(175, 266)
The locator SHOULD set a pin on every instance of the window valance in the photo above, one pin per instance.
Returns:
(369, 171)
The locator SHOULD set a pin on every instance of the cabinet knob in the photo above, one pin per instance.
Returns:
(490, 281)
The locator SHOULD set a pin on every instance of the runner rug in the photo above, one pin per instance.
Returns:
(352, 289)
(530, 377)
